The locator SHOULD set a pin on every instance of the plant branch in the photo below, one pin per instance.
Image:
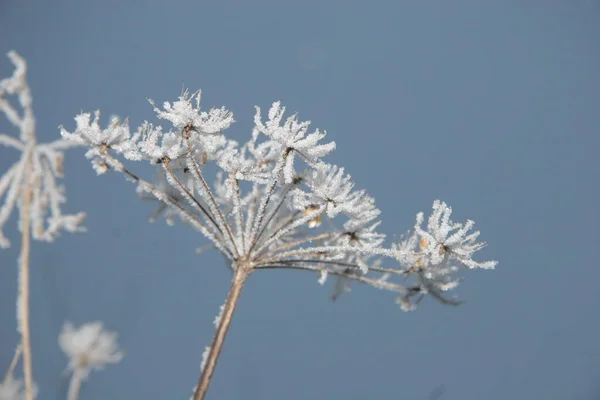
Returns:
(210, 198)
(266, 198)
(189, 196)
(380, 284)
(282, 198)
(290, 245)
(166, 199)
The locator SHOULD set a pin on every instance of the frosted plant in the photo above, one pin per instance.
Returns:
(276, 204)
(31, 185)
(88, 347)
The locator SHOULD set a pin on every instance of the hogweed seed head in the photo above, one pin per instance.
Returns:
(275, 203)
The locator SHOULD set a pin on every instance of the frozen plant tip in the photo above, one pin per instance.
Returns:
(275, 204)
(88, 347)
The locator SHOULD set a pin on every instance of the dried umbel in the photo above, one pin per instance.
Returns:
(275, 204)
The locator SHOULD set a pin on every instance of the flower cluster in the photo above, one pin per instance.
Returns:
(267, 206)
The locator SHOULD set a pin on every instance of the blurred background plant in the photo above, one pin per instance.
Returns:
(31, 186)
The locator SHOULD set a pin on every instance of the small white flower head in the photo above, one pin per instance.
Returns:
(115, 137)
(330, 187)
(187, 116)
(361, 210)
(171, 144)
(266, 153)
(235, 162)
(430, 255)
(405, 250)
(445, 240)
(361, 236)
(327, 186)
(14, 389)
(292, 136)
(89, 347)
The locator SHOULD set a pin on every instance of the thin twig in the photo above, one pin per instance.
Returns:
(189, 196)
(359, 278)
(266, 198)
(290, 245)
(282, 198)
(237, 204)
(209, 198)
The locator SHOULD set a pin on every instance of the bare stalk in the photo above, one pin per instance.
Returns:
(75, 384)
(23, 299)
(239, 278)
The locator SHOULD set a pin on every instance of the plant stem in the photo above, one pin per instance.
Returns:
(23, 299)
(239, 278)
(75, 384)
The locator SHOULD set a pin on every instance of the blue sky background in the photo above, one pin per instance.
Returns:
(492, 106)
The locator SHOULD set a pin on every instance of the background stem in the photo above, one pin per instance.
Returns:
(23, 299)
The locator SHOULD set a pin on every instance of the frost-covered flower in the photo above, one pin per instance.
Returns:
(327, 186)
(292, 136)
(171, 145)
(362, 236)
(14, 389)
(266, 153)
(116, 136)
(89, 347)
(445, 239)
(236, 162)
(185, 115)
(432, 255)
